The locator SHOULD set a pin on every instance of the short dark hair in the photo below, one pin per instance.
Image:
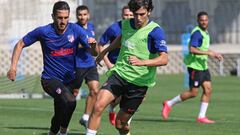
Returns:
(125, 7)
(201, 14)
(60, 5)
(82, 7)
(134, 5)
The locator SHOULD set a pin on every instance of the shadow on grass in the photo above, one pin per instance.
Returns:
(68, 134)
(38, 128)
(44, 128)
(165, 121)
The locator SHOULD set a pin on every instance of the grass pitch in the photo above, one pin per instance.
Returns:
(32, 116)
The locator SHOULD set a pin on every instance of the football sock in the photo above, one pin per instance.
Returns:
(203, 110)
(85, 117)
(129, 121)
(91, 132)
(174, 101)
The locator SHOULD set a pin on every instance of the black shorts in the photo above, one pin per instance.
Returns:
(89, 74)
(197, 77)
(132, 95)
(56, 88)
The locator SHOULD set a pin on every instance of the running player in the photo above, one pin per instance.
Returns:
(85, 63)
(143, 48)
(110, 35)
(59, 41)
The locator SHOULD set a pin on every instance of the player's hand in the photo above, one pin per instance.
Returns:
(11, 74)
(133, 60)
(109, 65)
(219, 56)
(91, 40)
(215, 55)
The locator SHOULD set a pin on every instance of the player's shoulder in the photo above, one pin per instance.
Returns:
(196, 34)
(115, 25)
(74, 27)
(44, 28)
(90, 24)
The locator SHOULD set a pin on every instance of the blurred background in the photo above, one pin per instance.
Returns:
(176, 17)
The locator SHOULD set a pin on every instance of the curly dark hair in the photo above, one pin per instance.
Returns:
(134, 5)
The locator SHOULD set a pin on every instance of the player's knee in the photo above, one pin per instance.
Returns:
(98, 108)
(93, 92)
(208, 92)
(194, 93)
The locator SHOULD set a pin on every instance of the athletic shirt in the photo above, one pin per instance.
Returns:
(201, 40)
(84, 59)
(58, 50)
(109, 35)
(134, 42)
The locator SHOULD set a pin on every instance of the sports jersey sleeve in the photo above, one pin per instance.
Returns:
(196, 39)
(157, 41)
(32, 36)
(111, 33)
(82, 35)
(92, 29)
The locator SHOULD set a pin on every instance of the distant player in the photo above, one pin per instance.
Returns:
(143, 48)
(85, 63)
(196, 62)
(59, 41)
(110, 35)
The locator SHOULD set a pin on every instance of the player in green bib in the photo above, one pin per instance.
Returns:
(143, 48)
(196, 62)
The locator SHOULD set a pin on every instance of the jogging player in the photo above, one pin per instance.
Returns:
(196, 62)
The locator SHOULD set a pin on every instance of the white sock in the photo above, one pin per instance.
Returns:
(91, 132)
(85, 117)
(129, 121)
(62, 133)
(111, 108)
(203, 110)
(174, 101)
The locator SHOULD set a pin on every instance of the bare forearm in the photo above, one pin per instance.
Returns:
(16, 54)
(195, 50)
(162, 60)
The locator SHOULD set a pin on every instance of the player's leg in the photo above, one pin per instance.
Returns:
(194, 83)
(79, 77)
(112, 114)
(132, 98)
(103, 99)
(64, 105)
(92, 80)
(109, 91)
(206, 95)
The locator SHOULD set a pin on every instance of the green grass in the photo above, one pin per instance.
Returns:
(32, 117)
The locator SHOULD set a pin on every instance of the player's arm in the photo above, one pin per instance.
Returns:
(161, 60)
(105, 58)
(196, 41)
(11, 74)
(157, 45)
(93, 46)
(115, 44)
